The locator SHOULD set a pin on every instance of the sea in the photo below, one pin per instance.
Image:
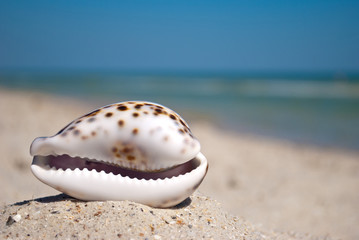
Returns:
(320, 109)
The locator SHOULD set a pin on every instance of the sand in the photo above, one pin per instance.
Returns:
(266, 188)
(62, 217)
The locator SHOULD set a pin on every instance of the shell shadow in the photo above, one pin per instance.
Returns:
(63, 197)
(55, 198)
(183, 204)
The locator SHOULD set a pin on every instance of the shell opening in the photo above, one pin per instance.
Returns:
(67, 162)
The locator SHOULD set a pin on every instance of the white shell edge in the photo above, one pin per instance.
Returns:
(93, 185)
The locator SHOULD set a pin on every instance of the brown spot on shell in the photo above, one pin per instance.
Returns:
(172, 116)
(64, 134)
(71, 128)
(145, 112)
(184, 124)
(130, 158)
(181, 131)
(78, 121)
(165, 138)
(93, 113)
(76, 132)
(91, 119)
(127, 149)
(135, 114)
(109, 114)
(121, 123)
(135, 131)
(84, 137)
(138, 106)
(122, 108)
(93, 133)
(114, 149)
(158, 110)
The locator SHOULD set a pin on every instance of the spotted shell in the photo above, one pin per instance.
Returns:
(138, 151)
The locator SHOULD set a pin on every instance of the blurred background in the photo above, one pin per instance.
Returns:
(274, 68)
(271, 89)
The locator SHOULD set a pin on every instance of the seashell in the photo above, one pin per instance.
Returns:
(138, 151)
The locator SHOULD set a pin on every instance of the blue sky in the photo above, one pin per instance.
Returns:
(246, 35)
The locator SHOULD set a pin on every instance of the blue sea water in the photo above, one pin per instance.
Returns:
(315, 109)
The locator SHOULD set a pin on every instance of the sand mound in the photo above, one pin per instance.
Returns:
(63, 217)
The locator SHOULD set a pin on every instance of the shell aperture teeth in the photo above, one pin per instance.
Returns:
(68, 163)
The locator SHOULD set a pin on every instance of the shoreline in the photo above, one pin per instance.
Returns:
(87, 102)
(280, 184)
